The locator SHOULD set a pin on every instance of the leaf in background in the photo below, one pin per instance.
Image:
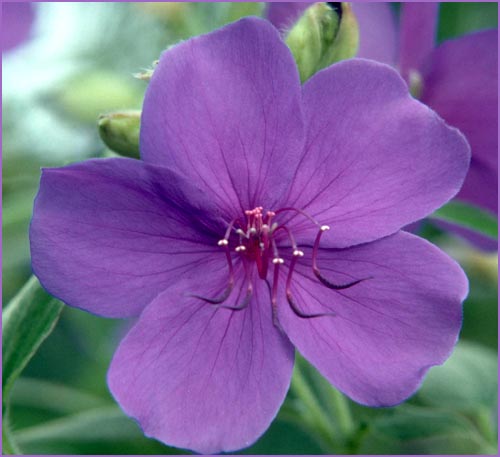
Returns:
(466, 382)
(457, 19)
(423, 431)
(468, 216)
(26, 321)
(58, 398)
(105, 428)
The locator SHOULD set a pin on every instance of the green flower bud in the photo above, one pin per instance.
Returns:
(120, 132)
(326, 33)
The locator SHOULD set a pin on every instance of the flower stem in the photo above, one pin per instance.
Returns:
(343, 413)
(484, 424)
(313, 414)
(9, 447)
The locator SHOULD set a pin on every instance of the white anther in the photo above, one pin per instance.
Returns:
(261, 245)
(324, 228)
(240, 232)
(265, 227)
(222, 243)
(252, 231)
(277, 260)
(298, 253)
(240, 248)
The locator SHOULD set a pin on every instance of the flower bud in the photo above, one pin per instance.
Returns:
(120, 131)
(325, 33)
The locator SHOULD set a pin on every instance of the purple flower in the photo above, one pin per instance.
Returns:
(458, 79)
(17, 19)
(218, 239)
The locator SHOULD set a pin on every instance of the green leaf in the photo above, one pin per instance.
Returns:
(54, 397)
(422, 431)
(103, 429)
(456, 19)
(467, 382)
(27, 320)
(100, 424)
(468, 216)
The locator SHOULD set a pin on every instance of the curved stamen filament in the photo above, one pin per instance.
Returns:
(243, 304)
(299, 211)
(318, 274)
(277, 261)
(230, 227)
(289, 233)
(225, 295)
(296, 254)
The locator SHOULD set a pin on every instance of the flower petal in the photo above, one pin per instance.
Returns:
(284, 14)
(17, 23)
(418, 34)
(203, 378)
(375, 158)
(224, 109)
(378, 37)
(108, 235)
(389, 329)
(461, 84)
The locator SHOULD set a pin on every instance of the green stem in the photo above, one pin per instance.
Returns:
(314, 414)
(9, 447)
(484, 424)
(343, 414)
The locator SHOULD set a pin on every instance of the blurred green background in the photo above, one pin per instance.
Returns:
(78, 64)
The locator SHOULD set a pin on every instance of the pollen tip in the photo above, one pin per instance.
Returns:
(298, 253)
(240, 248)
(278, 260)
(223, 242)
(324, 228)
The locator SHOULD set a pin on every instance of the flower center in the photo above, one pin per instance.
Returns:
(257, 236)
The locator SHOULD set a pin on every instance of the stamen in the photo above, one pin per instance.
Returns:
(248, 295)
(224, 296)
(289, 233)
(274, 293)
(229, 228)
(243, 304)
(299, 211)
(318, 274)
(301, 314)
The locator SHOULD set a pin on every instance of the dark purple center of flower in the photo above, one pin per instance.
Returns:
(258, 235)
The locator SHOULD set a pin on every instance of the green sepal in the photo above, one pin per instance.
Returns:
(120, 132)
(323, 35)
